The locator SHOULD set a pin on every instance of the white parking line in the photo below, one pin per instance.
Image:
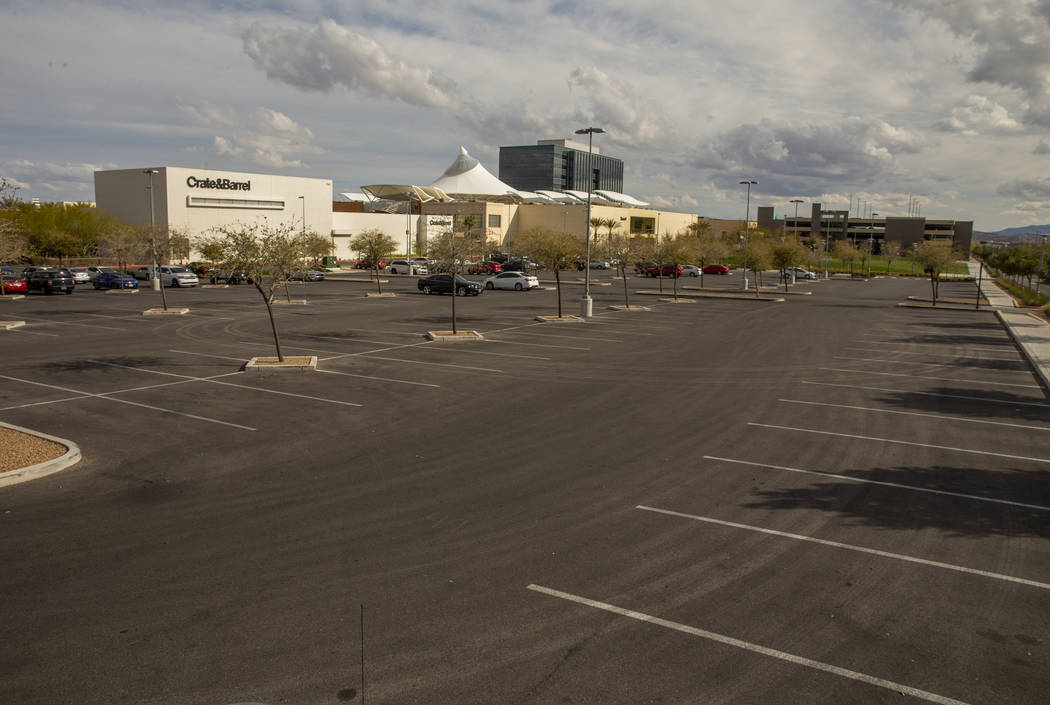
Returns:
(892, 362)
(1006, 346)
(851, 547)
(131, 403)
(913, 488)
(437, 364)
(220, 357)
(71, 323)
(32, 332)
(941, 417)
(532, 345)
(380, 379)
(943, 379)
(932, 354)
(750, 646)
(570, 337)
(931, 394)
(903, 443)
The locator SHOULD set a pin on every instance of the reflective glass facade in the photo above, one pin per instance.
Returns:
(552, 167)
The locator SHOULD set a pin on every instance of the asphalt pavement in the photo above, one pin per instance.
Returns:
(828, 499)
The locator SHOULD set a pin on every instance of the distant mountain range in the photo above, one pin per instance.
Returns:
(1033, 232)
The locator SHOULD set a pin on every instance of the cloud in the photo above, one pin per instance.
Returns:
(264, 136)
(1010, 36)
(612, 104)
(56, 177)
(1042, 147)
(979, 113)
(854, 149)
(332, 55)
(1037, 190)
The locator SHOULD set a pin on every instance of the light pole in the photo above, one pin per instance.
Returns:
(871, 239)
(586, 305)
(303, 199)
(747, 222)
(796, 201)
(153, 229)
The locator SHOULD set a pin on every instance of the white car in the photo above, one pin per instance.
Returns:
(800, 273)
(80, 275)
(518, 281)
(93, 272)
(690, 270)
(170, 275)
(403, 266)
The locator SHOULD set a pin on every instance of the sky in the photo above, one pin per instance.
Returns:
(878, 103)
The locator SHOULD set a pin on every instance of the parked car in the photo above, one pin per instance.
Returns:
(14, 284)
(520, 265)
(599, 264)
(95, 271)
(80, 275)
(487, 267)
(176, 275)
(48, 281)
(690, 270)
(404, 266)
(311, 275)
(366, 264)
(716, 269)
(519, 281)
(442, 284)
(199, 268)
(115, 280)
(229, 276)
(643, 267)
(799, 272)
(665, 270)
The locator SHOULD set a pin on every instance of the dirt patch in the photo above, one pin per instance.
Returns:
(19, 450)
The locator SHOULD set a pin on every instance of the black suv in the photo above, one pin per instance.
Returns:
(442, 284)
(48, 281)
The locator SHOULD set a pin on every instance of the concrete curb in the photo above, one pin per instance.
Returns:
(8, 325)
(946, 307)
(255, 367)
(122, 291)
(678, 301)
(12, 297)
(1041, 366)
(293, 302)
(632, 308)
(742, 297)
(32, 472)
(162, 312)
(446, 336)
(556, 319)
(376, 295)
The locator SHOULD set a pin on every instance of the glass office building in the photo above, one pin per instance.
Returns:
(559, 165)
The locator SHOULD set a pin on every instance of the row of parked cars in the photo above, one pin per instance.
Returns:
(461, 286)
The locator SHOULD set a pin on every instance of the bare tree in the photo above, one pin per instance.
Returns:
(554, 251)
(211, 249)
(124, 242)
(449, 254)
(845, 251)
(267, 254)
(891, 250)
(759, 255)
(374, 245)
(622, 249)
(787, 254)
(707, 247)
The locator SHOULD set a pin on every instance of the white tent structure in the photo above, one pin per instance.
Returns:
(466, 178)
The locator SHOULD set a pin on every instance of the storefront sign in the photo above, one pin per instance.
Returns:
(223, 184)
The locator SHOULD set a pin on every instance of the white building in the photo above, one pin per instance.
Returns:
(196, 200)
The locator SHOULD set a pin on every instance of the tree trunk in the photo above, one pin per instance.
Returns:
(626, 301)
(163, 294)
(557, 281)
(933, 286)
(378, 283)
(273, 323)
(674, 276)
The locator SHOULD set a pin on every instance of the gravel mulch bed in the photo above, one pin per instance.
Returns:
(19, 450)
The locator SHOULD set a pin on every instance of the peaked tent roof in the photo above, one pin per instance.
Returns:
(467, 178)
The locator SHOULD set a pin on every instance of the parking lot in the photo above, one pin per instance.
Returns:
(831, 499)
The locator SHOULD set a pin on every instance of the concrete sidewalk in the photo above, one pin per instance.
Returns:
(1029, 331)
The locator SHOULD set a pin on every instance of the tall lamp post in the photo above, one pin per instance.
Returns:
(747, 223)
(586, 305)
(871, 239)
(1042, 266)
(303, 199)
(153, 229)
(796, 201)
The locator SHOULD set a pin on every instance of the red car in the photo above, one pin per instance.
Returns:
(365, 264)
(14, 285)
(666, 270)
(489, 267)
(716, 269)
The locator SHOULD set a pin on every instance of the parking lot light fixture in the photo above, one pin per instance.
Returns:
(153, 231)
(747, 222)
(871, 240)
(586, 306)
(796, 201)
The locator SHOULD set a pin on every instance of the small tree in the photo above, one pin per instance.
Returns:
(622, 249)
(125, 241)
(316, 247)
(267, 254)
(554, 251)
(891, 250)
(373, 245)
(759, 255)
(12, 247)
(934, 256)
(675, 252)
(211, 249)
(787, 254)
(708, 248)
(845, 251)
(450, 253)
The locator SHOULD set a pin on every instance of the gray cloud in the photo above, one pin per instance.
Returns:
(1037, 190)
(1042, 147)
(977, 114)
(263, 136)
(332, 55)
